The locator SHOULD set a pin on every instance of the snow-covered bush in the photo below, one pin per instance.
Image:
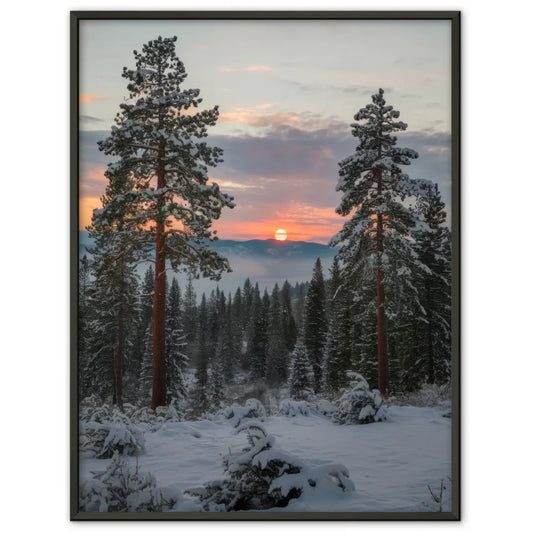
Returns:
(294, 408)
(262, 476)
(143, 415)
(152, 421)
(105, 430)
(122, 487)
(325, 407)
(429, 395)
(237, 413)
(290, 407)
(359, 404)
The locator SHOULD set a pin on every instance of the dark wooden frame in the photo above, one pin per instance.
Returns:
(454, 18)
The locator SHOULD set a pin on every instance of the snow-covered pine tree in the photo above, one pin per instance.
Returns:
(358, 289)
(433, 246)
(332, 364)
(257, 334)
(359, 404)
(239, 326)
(374, 188)
(288, 324)
(174, 312)
(177, 360)
(247, 321)
(157, 142)
(145, 300)
(247, 297)
(123, 487)
(301, 377)
(299, 307)
(84, 278)
(251, 476)
(228, 345)
(276, 353)
(202, 357)
(112, 299)
(215, 385)
(113, 293)
(84, 312)
(190, 312)
(315, 322)
(262, 476)
(144, 391)
(216, 306)
(337, 352)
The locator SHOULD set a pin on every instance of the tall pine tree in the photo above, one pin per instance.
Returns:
(257, 334)
(374, 187)
(434, 250)
(113, 301)
(170, 207)
(190, 313)
(288, 324)
(202, 357)
(301, 377)
(115, 284)
(315, 323)
(276, 353)
(177, 360)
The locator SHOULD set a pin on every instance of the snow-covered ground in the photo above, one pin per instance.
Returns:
(391, 463)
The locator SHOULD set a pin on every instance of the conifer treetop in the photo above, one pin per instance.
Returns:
(371, 179)
(159, 132)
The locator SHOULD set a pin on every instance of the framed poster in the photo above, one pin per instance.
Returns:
(265, 259)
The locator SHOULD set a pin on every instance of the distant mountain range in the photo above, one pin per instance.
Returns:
(269, 248)
(273, 249)
(265, 261)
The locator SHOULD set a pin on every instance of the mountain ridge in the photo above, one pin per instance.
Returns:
(254, 247)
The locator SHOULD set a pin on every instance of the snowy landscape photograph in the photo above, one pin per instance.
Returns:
(267, 247)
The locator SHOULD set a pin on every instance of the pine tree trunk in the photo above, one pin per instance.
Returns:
(383, 378)
(159, 383)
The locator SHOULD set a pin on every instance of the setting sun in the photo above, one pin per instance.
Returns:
(281, 235)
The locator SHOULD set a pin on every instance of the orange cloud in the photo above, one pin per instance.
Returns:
(87, 98)
(301, 221)
(265, 229)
